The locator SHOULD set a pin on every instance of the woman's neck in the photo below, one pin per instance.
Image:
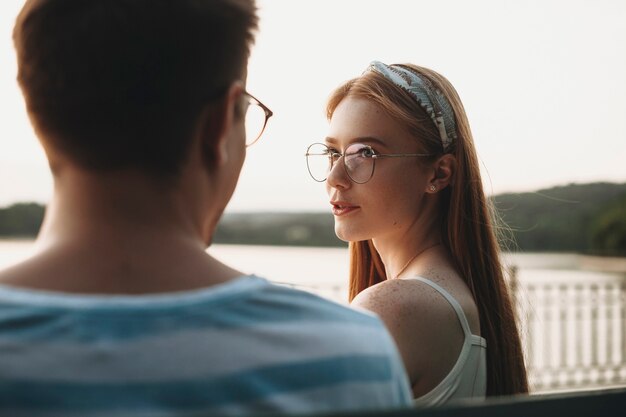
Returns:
(400, 252)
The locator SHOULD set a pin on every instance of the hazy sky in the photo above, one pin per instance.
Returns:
(542, 82)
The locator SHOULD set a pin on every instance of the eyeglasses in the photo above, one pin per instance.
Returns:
(257, 115)
(359, 161)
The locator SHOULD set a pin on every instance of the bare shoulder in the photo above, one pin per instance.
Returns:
(407, 303)
(424, 326)
(16, 273)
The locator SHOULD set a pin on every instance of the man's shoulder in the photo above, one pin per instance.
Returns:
(307, 303)
(321, 324)
(324, 328)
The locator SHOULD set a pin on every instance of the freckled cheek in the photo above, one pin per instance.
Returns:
(383, 204)
(395, 203)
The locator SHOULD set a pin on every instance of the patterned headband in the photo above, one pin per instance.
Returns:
(427, 96)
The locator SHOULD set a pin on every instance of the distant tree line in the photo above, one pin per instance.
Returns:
(21, 220)
(293, 229)
(583, 218)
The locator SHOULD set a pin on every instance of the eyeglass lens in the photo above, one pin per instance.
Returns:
(255, 122)
(358, 163)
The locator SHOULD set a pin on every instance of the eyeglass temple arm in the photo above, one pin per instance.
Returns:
(399, 155)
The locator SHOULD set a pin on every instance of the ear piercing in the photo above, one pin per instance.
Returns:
(432, 188)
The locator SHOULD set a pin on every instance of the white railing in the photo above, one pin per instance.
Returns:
(573, 331)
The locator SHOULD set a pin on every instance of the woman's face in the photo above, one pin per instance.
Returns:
(391, 201)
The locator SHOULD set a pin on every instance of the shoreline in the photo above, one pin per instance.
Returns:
(525, 260)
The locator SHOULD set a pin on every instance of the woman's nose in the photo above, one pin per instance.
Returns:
(337, 177)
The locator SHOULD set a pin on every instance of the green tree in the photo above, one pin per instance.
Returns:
(608, 230)
(558, 218)
(22, 219)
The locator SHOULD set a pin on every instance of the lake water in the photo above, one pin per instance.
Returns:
(325, 270)
(571, 308)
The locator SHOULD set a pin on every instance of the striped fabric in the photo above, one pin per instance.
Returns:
(240, 347)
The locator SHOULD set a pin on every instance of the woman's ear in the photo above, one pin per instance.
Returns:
(218, 124)
(444, 170)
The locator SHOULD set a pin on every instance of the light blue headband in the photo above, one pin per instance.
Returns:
(428, 97)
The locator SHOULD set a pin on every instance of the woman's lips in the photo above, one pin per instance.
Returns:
(341, 208)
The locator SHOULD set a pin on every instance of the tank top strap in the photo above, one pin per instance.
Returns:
(455, 305)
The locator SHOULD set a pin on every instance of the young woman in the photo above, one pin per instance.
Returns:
(405, 188)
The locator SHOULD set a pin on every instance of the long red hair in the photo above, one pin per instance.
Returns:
(467, 220)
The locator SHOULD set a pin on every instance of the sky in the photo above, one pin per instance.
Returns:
(542, 82)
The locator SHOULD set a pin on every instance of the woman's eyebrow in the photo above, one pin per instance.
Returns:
(370, 139)
(360, 139)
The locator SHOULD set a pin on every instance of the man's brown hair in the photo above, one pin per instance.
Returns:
(119, 83)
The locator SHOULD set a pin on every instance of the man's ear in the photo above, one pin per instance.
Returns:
(217, 123)
(444, 170)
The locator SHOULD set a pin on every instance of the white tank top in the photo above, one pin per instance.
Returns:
(468, 376)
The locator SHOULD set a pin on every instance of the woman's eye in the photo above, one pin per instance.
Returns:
(333, 153)
(367, 152)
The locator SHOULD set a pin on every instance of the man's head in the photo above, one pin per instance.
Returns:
(117, 84)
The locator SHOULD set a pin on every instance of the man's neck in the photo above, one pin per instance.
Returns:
(122, 234)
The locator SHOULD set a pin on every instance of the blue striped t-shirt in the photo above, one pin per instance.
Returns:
(240, 347)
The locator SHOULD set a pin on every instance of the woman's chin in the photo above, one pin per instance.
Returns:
(348, 235)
